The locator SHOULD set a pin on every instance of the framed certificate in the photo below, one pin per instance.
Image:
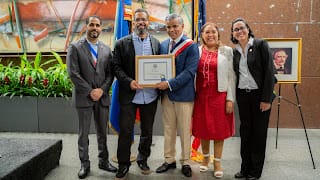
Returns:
(154, 69)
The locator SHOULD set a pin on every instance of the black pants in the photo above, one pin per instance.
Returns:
(253, 131)
(127, 120)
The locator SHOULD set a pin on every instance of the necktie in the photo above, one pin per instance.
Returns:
(173, 43)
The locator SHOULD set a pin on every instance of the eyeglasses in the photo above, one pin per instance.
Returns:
(141, 19)
(239, 29)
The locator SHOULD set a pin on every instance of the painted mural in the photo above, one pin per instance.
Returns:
(50, 25)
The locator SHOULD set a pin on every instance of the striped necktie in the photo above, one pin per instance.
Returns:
(173, 43)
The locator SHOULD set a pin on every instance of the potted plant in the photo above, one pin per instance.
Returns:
(34, 96)
(30, 78)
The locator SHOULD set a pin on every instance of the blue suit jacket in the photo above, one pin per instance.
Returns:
(182, 86)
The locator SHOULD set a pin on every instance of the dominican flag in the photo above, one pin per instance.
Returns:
(122, 26)
(199, 17)
(199, 21)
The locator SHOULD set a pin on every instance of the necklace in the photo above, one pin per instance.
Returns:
(206, 65)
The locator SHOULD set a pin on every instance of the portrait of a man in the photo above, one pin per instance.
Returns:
(282, 59)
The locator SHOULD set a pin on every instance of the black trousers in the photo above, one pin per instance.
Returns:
(127, 120)
(100, 115)
(253, 131)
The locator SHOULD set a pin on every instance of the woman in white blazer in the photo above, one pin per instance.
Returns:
(213, 117)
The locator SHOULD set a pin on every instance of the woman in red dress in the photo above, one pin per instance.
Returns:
(215, 91)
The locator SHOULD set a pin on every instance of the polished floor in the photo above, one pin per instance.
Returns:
(290, 161)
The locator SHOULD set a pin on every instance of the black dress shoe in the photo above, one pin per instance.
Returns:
(122, 171)
(186, 170)
(165, 167)
(145, 169)
(240, 175)
(83, 172)
(108, 167)
(251, 177)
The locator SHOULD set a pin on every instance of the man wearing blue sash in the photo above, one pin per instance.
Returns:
(178, 96)
(89, 68)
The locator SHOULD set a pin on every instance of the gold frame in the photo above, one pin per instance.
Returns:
(170, 66)
(294, 47)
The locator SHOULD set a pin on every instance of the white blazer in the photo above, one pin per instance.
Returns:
(225, 73)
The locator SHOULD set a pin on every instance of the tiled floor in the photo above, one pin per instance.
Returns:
(290, 161)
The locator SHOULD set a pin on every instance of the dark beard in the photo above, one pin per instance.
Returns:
(94, 35)
(140, 31)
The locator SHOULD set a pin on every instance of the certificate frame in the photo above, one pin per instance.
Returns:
(153, 69)
(292, 48)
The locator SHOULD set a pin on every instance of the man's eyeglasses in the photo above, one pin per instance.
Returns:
(141, 19)
(239, 29)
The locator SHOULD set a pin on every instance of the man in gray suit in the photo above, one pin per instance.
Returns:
(89, 68)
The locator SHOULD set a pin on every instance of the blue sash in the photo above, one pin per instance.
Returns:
(93, 51)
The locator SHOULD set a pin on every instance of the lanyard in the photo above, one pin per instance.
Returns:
(93, 51)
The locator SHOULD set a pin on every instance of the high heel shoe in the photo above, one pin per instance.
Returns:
(217, 174)
(204, 165)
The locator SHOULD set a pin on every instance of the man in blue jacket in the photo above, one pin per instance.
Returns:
(179, 93)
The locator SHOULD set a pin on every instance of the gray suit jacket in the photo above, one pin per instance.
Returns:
(85, 76)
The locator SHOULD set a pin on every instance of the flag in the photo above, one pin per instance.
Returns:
(199, 21)
(199, 17)
(122, 27)
(123, 18)
(114, 108)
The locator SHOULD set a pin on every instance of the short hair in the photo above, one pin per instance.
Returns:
(233, 40)
(93, 16)
(141, 10)
(209, 24)
(174, 16)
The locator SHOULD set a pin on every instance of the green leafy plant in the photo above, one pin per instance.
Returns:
(30, 78)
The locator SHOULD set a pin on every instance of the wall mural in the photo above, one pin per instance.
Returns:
(31, 26)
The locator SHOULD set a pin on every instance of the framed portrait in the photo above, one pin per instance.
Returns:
(154, 69)
(286, 54)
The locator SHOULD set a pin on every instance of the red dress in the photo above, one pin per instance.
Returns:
(210, 120)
